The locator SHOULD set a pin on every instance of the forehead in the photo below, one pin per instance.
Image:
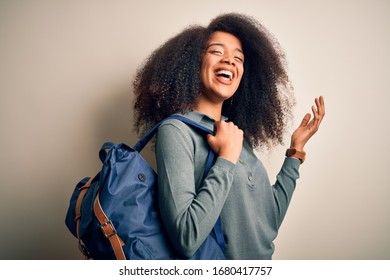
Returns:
(225, 39)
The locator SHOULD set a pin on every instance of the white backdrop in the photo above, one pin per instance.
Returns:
(66, 70)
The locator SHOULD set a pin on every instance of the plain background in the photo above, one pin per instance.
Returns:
(66, 70)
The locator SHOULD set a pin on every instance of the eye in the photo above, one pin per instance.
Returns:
(215, 52)
(239, 58)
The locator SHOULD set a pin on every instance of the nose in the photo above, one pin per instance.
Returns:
(228, 59)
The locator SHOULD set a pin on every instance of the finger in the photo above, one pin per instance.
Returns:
(321, 107)
(320, 103)
(322, 100)
(217, 123)
(211, 141)
(218, 126)
(210, 138)
(315, 111)
(316, 118)
(305, 120)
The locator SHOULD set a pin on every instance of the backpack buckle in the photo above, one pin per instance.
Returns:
(108, 229)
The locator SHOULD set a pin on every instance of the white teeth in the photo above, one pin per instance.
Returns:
(225, 72)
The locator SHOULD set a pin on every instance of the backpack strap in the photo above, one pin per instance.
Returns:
(109, 230)
(144, 140)
(83, 187)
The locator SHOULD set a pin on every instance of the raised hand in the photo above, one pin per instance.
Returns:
(309, 126)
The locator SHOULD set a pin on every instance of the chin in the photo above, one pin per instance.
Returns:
(224, 95)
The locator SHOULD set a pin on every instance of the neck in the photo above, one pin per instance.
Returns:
(211, 109)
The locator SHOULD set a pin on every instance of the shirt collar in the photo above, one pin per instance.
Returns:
(201, 118)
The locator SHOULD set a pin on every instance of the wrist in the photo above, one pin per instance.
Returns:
(297, 146)
(232, 159)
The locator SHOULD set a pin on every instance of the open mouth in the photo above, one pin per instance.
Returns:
(225, 74)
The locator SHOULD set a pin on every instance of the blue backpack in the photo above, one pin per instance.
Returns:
(115, 214)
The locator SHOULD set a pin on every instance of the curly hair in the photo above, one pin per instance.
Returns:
(169, 81)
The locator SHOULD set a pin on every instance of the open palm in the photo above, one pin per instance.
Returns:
(309, 126)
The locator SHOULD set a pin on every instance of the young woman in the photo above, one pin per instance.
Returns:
(231, 78)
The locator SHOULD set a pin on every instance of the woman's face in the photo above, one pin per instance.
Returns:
(222, 66)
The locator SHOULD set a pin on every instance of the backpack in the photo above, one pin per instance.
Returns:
(115, 215)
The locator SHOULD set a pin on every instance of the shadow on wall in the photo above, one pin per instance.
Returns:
(38, 228)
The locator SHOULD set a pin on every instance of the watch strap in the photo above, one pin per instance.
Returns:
(301, 155)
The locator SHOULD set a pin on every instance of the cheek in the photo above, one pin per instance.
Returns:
(240, 75)
(205, 73)
(203, 77)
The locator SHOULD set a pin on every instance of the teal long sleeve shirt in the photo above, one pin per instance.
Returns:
(251, 209)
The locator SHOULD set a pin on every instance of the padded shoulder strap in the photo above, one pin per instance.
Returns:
(146, 138)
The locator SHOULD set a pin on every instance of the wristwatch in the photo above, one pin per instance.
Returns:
(301, 155)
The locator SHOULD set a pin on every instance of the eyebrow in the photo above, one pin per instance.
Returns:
(222, 45)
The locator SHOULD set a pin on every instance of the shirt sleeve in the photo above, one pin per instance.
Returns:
(188, 214)
(285, 186)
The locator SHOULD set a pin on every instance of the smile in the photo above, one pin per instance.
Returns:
(226, 74)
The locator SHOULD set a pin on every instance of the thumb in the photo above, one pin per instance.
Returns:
(210, 139)
(212, 142)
